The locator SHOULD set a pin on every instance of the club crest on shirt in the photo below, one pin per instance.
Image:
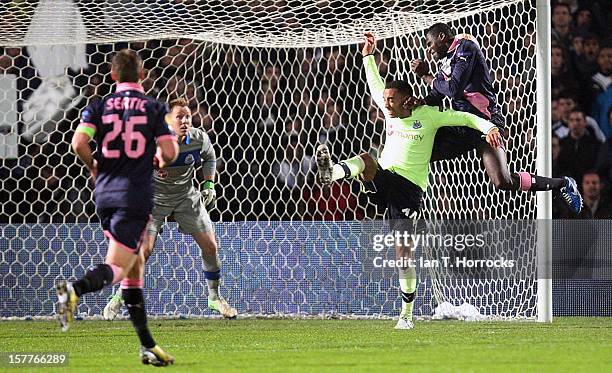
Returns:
(189, 159)
(417, 124)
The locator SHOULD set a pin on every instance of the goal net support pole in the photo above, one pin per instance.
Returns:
(543, 162)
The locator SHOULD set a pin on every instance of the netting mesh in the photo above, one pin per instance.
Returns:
(276, 23)
(268, 80)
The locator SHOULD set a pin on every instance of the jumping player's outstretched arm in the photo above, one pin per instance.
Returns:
(458, 118)
(375, 82)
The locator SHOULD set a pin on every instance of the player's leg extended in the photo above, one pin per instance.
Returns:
(496, 165)
(118, 262)
(328, 172)
(212, 273)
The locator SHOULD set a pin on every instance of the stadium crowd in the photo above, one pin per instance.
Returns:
(265, 132)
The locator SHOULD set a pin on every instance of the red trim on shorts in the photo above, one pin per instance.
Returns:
(130, 283)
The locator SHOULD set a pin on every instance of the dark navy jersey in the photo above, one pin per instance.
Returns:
(125, 126)
(465, 78)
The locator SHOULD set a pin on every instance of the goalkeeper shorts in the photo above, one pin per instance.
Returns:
(189, 212)
(399, 196)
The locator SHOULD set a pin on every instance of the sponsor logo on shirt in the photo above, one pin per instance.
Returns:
(406, 135)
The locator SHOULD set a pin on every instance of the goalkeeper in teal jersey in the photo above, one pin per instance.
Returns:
(175, 194)
(399, 178)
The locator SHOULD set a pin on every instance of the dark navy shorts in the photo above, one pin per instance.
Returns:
(127, 227)
(401, 197)
(453, 142)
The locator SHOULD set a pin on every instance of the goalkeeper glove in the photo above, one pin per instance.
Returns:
(208, 194)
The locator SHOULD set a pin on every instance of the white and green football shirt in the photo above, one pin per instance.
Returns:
(410, 140)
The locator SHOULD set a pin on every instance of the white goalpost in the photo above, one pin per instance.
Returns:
(269, 80)
(544, 163)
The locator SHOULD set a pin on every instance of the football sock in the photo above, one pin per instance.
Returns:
(348, 168)
(212, 280)
(212, 273)
(407, 280)
(134, 302)
(537, 183)
(95, 279)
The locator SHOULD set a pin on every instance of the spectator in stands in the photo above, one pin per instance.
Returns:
(563, 77)
(562, 108)
(602, 79)
(586, 49)
(336, 202)
(557, 170)
(291, 172)
(596, 206)
(584, 20)
(604, 162)
(601, 109)
(562, 24)
(579, 149)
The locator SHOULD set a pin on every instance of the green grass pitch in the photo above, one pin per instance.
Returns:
(569, 344)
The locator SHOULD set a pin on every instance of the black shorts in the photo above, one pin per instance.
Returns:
(127, 227)
(401, 197)
(452, 142)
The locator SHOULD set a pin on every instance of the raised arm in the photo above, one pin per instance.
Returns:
(375, 82)
(458, 118)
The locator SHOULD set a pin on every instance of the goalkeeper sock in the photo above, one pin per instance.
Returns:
(348, 168)
(134, 302)
(537, 183)
(407, 280)
(212, 280)
(97, 278)
(212, 272)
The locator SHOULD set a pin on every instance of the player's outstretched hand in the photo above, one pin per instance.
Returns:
(369, 44)
(419, 67)
(494, 138)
